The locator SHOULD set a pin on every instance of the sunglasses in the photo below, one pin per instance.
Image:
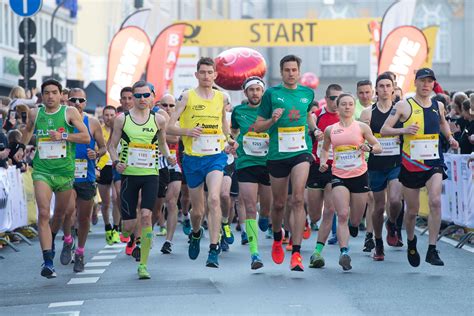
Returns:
(332, 97)
(74, 100)
(165, 105)
(140, 95)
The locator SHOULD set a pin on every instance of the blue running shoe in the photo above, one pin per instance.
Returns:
(269, 233)
(224, 245)
(227, 234)
(187, 226)
(263, 223)
(244, 238)
(212, 259)
(194, 245)
(47, 270)
(332, 240)
(256, 262)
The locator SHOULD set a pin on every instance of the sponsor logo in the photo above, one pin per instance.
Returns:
(304, 100)
(198, 107)
(215, 126)
(148, 130)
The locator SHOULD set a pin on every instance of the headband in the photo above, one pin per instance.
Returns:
(254, 81)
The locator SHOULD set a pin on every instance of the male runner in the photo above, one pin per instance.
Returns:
(140, 133)
(384, 168)
(423, 120)
(53, 125)
(284, 112)
(203, 129)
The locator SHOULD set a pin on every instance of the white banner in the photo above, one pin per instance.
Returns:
(13, 210)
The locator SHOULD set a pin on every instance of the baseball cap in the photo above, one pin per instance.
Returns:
(425, 73)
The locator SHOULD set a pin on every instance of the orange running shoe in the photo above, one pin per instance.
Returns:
(129, 248)
(123, 239)
(289, 247)
(296, 262)
(278, 255)
(307, 231)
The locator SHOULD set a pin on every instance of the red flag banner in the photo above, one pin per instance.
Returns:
(128, 55)
(163, 58)
(404, 51)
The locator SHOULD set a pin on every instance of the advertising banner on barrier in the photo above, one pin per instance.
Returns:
(30, 197)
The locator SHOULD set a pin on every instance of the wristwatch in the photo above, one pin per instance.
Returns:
(64, 136)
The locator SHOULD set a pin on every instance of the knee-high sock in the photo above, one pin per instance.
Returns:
(252, 233)
(147, 236)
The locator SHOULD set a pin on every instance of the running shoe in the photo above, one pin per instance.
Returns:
(66, 253)
(285, 240)
(263, 223)
(187, 226)
(143, 272)
(432, 257)
(123, 239)
(161, 231)
(238, 228)
(224, 245)
(400, 238)
(289, 247)
(129, 248)
(278, 255)
(136, 252)
(204, 224)
(412, 253)
(307, 231)
(227, 234)
(369, 244)
(194, 245)
(316, 260)
(244, 238)
(212, 259)
(78, 263)
(353, 230)
(166, 249)
(269, 233)
(94, 218)
(392, 235)
(47, 270)
(296, 263)
(379, 254)
(362, 226)
(256, 262)
(314, 226)
(109, 237)
(345, 261)
(115, 237)
(332, 240)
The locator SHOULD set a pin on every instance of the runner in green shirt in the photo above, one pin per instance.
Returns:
(284, 112)
(252, 172)
(53, 164)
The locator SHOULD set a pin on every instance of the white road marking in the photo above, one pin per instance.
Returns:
(92, 271)
(64, 304)
(104, 257)
(83, 280)
(98, 264)
(70, 313)
(115, 246)
(109, 251)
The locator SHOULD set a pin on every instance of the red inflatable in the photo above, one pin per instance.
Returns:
(310, 80)
(237, 64)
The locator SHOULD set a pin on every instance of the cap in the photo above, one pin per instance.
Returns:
(425, 73)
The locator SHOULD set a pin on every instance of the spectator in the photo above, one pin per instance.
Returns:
(466, 141)
(18, 96)
(65, 96)
(16, 149)
(4, 102)
(4, 150)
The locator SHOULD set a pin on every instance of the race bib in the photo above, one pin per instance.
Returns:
(81, 169)
(424, 147)
(256, 144)
(209, 143)
(142, 155)
(320, 147)
(348, 157)
(390, 145)
(50, 149)
(291, 139)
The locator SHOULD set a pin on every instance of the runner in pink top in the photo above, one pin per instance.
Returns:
(350, 183)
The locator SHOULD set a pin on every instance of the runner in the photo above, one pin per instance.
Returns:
(252, 172)
(53, 125)
(384, 168)
(85, 187)
(140, 133)
(284, 113)
(350, 185)
(423, 120)
(319, 183)
(204, 128)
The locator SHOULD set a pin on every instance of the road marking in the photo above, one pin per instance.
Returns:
(98, 264)
(104, 257)
(70, 313)
(115, 246)
(92, 271)
(83, 280)
(109, 251)
(64, 304)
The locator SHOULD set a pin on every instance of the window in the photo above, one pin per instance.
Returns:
(429, 13)
(337, 54)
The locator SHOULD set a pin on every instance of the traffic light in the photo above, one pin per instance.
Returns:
(27, 65)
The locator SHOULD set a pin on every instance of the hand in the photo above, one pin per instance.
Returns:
(411, 130)
(277, 114)
(4, 153)
(231, 149)
(171, 160)
(120, 167)
(365, 147)
(97, 174)
(453, 127)
(195, 132)
(55, 135)
(319, 135)
(453, 143)
(91, 154)
(19, 155)
(323, 167)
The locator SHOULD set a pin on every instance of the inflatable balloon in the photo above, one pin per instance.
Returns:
(310, 80)
(237, 64)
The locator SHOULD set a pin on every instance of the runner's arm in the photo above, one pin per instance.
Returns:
(395, 115)
(311, 122)
(115, 137)
(82, 136)
(98, 136)
(162, 145)
(370, 138)
(444, 127)
(323, 158)
(28, 129)
(225, 124)
(173, 128)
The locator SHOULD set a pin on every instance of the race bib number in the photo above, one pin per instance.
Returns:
(320, 147)
(256, 144)
(291, 139)
(142, 155)
(209, 143)
(424, 147)
(390, 145)
(81, 169)
(348, 157)
(50, 149)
